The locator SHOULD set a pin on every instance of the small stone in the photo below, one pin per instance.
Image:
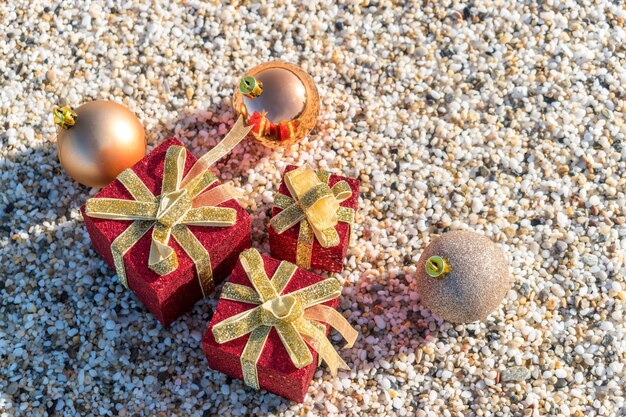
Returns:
(12, 388)
(515, 374)
(562, 220)
(560, 246)
(385, 384)
(51, 76)
(579, 377)
(590, 259)
(524, 289)
(163, 376)
(397, 403)
(477, 205)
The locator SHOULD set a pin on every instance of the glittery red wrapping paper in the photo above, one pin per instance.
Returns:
(168, 296)
(283, 246)
(275, 370)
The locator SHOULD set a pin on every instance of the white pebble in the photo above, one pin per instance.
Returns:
(477, 205)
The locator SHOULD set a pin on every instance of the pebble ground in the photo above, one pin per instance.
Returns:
(503, 117)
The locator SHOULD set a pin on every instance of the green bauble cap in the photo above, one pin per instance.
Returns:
(250, 87)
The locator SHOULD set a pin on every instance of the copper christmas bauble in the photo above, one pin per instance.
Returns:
(280, 100)
(98, 140)
(462, 276)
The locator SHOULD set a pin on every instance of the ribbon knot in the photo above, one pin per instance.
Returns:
(184, 201)
(284, 309)
(173, 207)
(298, 317)
(314, 205)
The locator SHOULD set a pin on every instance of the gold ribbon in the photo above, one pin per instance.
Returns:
(296, 316)
(314, 205)
(183, 202)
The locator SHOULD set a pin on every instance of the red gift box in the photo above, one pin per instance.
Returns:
(275, 370)
(285, 245)
(168, 296)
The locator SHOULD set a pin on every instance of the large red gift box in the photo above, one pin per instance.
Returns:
(285, 245)
(168, 296)
(275, 370)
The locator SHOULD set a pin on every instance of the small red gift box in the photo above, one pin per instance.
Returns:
(298, 242)
(169, 242)
(271, 323)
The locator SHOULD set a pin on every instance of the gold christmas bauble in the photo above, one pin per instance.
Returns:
(462, 276)
(280, 101)
(98, 140)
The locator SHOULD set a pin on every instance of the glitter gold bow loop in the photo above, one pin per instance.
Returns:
(296, 316)
(314, 205)
(183, 202)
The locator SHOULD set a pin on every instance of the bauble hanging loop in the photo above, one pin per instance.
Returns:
(64, 117)
(437, 267)
(250, 87)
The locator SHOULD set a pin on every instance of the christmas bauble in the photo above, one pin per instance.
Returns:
(280, 100)
(462, 276)
(98, 140)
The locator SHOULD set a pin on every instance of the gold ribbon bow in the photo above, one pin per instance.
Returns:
(314, 205)
(297, 317)
(183, 202)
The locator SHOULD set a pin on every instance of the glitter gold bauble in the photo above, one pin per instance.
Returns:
(280, 100)
(462, 276)
(98, 140)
